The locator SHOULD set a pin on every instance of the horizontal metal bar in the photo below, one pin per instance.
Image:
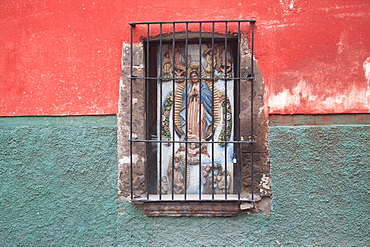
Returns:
(196, 41)
(164, 141)
(170, 22)
(193, 200)
(181, 78)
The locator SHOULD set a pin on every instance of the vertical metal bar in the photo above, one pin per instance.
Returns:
(213, 107)
(131, 104)
(252, 122)
(225, 113)
(160, 111)
(201, 141)
(147, 106)
(186, 112)
(200, 97)
(237, 100)
(173, 117)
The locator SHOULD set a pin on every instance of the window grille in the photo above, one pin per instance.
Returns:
(189, 89)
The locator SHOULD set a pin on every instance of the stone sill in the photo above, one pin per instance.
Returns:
(192, 209)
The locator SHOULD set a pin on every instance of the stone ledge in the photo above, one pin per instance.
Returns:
(194, 209)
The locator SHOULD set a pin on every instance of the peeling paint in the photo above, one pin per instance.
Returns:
(366, 66)
(265, 182)
(351, 15)
(339, 7)
(343, 42)
(246, 205)
(296, 6)
(127, 160)
(287, 98)
(275, 26)
(68, 70)
(303, 93)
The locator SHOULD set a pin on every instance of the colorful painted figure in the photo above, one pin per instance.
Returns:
(167, 65)
(178, 172)
(196, 109)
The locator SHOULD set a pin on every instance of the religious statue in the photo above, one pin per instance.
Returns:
(193, 153)
(167, 65)
(180, 67)
(214, 179)
(177, 170)
(225, 66)
(212, 57)
(196, 110)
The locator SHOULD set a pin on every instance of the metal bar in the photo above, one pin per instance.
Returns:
(193, 200)
(237, 133)
(160, 111)
(159, 141)
(225, 113)
(147, 104)
(252, 122)
(213, 107)
(186, 112)
(168, 41)
(189, 78)
(173, 116)
(236, 142)
(200, 97)
(131, 117)
(169, 22)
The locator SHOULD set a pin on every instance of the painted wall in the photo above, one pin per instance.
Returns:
(63, 57)
(58, 181)
(59, 188)
(58, 175)
(318, 199)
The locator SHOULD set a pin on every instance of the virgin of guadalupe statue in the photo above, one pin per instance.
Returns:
(197, 105)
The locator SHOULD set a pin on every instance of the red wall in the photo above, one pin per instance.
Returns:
(63, 57)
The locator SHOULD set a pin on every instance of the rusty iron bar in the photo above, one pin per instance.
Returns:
(236, 80)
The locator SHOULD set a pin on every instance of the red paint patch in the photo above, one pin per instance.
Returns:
(64, 59)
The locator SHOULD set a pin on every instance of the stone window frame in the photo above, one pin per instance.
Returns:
(260, 202)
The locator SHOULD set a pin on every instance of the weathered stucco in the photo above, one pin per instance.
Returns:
(64, 59)
(321, 184)
(58, 181)
(59, 187)
(320, 198)
(58, 175)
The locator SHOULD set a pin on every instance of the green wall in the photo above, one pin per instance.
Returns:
(59, 187)
(58, 181)
(321, 184)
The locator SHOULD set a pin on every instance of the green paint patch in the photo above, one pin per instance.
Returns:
(59, 188)
(73, 121)
(58, 181)
(324, 119)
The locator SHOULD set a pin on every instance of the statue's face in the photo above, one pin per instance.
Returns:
(195, 76)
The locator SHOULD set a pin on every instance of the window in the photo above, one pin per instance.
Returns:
(191, 120)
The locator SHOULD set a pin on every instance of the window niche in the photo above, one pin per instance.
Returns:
(192, 159)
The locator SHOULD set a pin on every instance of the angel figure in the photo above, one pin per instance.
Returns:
(210, 55)
(225, 63)
(193, 151)
(180, 67)
(167, 65)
